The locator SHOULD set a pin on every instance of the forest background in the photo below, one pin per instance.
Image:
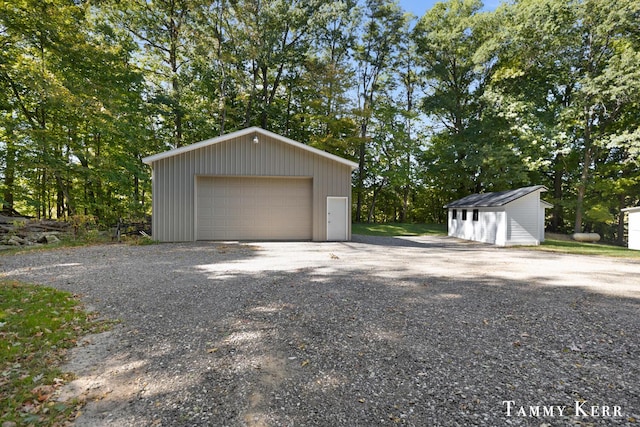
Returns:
(432, 108)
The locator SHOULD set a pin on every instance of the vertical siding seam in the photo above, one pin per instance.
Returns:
(174, 195)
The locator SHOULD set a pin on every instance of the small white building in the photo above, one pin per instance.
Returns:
(634, 227)
(505, 218)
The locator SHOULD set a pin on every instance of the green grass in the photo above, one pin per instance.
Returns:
(552, 245)
(399, 229)
(578, 248)
(37, 325)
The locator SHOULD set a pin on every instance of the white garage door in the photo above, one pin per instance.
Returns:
(253, 208)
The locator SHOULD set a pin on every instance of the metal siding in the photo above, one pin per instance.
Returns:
(174, 183)
(262, 208)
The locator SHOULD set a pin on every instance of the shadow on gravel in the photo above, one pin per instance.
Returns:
(427, 242)
(211, 337)
(297, 349)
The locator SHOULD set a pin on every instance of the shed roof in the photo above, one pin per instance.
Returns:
(631, 209)
(497, 199)
(248, 131)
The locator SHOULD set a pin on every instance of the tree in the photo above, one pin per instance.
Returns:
(448, 40)
(573, 65)
(382, 29)
(327, 81)
(165, 30)
(66, 82)
(275, 36)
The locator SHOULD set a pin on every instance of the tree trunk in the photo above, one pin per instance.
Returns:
(265, 98)
(222, 101)
(372, 208)
(252, 95)
(584, 175)
(620, 232)
(405, 204)
(557, 219)
(176, 101)
(176, 108)
(361, 169)
(42, 213)
(9, 172)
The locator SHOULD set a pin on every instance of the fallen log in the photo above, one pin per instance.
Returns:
(48, 227)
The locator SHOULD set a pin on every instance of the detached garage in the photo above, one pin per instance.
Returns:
(250, 185)
(506, 218)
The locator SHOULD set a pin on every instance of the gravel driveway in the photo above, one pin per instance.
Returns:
(424, 331)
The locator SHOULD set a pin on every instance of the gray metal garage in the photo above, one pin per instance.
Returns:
(250, 185)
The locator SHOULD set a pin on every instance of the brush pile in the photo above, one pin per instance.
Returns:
(23, 231)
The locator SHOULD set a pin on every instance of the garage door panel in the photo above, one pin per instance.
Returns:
(230, 208)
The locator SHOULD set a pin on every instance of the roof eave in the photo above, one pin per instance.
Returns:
(257, 130)
(534, 188)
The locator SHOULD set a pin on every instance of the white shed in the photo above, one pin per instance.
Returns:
(634, 227)
(505, 218)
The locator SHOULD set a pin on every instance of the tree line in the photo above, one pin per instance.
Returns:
(432, 108)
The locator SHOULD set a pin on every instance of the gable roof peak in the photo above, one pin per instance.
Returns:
(243, 132)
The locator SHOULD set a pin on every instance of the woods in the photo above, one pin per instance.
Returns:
(432, 108)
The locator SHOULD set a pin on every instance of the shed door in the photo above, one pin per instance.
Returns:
(261, 208)
(634, 230)
(337, 225)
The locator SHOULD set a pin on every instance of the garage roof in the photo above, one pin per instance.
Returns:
(497, 199)
(249, 131)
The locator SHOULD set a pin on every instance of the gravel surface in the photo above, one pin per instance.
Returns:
(424, 331)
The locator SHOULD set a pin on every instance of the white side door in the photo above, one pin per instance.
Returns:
(337, 220)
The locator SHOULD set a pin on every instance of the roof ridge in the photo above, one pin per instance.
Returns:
(495, 199)
(242, 132)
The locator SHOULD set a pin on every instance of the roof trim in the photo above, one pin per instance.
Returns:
(248, 131)
(631, 209)
(497, 199)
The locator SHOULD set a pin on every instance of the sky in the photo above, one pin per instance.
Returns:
(419, 7)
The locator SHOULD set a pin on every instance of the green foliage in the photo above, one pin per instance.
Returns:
(599, 213)
(70, 114)
(572, 67)
(472, 147)
(37, 325)
(459, 101)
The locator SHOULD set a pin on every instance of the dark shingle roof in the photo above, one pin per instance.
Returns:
(500, 198)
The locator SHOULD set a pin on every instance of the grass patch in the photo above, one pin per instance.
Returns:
(399, 229)
(37, 325)
(580, 248)
(566, 246)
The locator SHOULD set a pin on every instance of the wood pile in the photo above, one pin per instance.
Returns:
(19, 231)
(132, 228)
